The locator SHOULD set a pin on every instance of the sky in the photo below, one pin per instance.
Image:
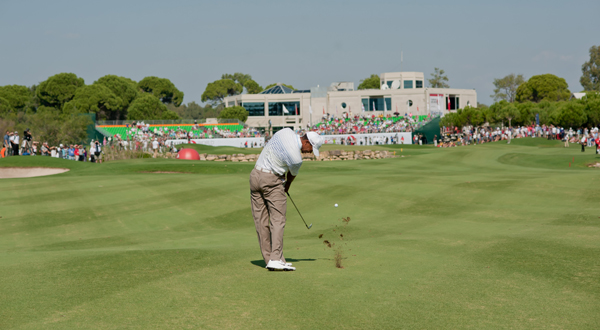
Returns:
(302, 43)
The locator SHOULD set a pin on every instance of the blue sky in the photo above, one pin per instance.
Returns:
(302, 43)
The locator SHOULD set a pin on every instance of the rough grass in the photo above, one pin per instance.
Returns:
(493, 236)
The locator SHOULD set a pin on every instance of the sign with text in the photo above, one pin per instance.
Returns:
(435, 102)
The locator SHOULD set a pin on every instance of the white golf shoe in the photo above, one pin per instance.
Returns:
(279, 265)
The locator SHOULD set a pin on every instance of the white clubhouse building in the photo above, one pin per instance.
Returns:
(401, 92)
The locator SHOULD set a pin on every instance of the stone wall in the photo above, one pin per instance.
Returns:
(331, 155)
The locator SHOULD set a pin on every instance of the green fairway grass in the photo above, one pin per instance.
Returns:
(491, 236)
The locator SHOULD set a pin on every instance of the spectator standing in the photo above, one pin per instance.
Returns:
(583, 143)
(155, 145)
(76, 152)
(7, 143)
(45, 149)
(27, 138)
(95, 151)
(71, 152)
(15, 143)
(81, 153)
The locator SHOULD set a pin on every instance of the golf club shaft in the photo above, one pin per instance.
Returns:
(307, 227)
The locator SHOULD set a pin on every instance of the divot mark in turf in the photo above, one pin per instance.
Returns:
(338, 249)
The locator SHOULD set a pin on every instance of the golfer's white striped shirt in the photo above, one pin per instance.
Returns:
(282, 153)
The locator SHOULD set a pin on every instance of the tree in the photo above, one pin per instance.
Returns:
(19, 97)
(590, 80)
(438, 79)
(5, 106)
(571, 114)
(235, 112)
(194, 111)
(273, 85)
(373, 82)
(219, 89)
(163, 89)
(49, 125)
(527, 113)
(504, 111)
(149, 107)
(509, 112)
(58, 89)
(238, 77)
(543, 87)
(95, 98)
(591, 103)
(124, 88)
(548, 112)
(473, 116)
(506, 88)
(252, 87)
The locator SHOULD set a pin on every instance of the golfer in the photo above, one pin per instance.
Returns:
(274, 172)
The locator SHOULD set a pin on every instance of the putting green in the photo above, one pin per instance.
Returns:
(480, 237)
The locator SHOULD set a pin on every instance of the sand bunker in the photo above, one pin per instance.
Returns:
(28, 172)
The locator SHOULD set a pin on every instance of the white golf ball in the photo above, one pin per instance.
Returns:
(335, 205)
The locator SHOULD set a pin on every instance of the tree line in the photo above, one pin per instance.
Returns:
(52, 108)
(543, 98)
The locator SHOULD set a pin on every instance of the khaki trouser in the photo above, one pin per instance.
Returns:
(267, 195)
(8, 151)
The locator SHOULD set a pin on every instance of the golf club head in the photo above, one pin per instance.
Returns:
(309, 226)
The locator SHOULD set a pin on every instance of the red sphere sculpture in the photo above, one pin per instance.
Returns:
(188, 154)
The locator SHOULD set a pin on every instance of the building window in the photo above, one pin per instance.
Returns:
(454, 104)
(255, 108)
(376, 103)
(408, 84)
(344, 105)
(231, 104)
(276, 108)
(410, 103)
(389, 83)
(418, 83)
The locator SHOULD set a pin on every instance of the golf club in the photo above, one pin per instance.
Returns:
(307, 226)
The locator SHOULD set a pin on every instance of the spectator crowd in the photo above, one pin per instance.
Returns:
(13, 145)
(467, 135)
(331, 125)
(141, 131)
